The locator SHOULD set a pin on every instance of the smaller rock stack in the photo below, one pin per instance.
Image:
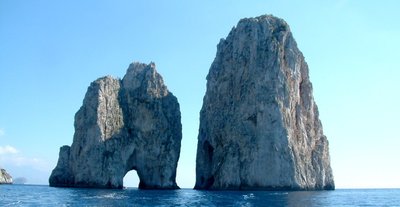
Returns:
(123, 125)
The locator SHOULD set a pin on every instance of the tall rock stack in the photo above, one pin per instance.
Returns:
(123, 125)
(259, 125)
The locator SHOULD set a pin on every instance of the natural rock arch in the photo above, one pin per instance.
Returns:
(123, 125)
(131, 179)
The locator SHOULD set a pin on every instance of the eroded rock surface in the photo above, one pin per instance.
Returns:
(123, 125)
(259, 125)
(5, 178)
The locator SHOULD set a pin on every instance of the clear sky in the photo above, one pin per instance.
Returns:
(50, 51)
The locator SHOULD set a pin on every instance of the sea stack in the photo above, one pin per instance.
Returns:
(123, 125)
(5, 178)
(259, 124)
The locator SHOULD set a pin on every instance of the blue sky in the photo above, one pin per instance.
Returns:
(50, 51)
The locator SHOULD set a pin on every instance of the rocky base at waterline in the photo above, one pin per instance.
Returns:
(5, 178)
(123, 125)
(259, 125)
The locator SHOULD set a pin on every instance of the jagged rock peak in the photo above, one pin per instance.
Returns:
(5, 178)
(266, 18)
(123, 125)
(259, 125)
(145, 76)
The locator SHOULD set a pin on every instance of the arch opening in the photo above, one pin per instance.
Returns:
(131, 179)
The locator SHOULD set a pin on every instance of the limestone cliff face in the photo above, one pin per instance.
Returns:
(123, 125)
(259, 125)
(5, 178)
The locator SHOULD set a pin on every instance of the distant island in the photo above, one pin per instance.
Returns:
(5, 178)
(20, 180)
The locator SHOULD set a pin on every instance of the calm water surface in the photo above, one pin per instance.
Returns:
(34, 195)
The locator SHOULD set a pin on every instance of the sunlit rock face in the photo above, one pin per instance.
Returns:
(259, 125)
(5, 178)
(123, 125)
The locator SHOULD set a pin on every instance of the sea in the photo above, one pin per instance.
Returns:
(40, 195)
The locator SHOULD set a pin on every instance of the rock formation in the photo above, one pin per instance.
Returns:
(123, 125)
(5, 178)
(259, 125)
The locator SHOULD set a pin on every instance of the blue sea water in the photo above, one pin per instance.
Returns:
(36, 195)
